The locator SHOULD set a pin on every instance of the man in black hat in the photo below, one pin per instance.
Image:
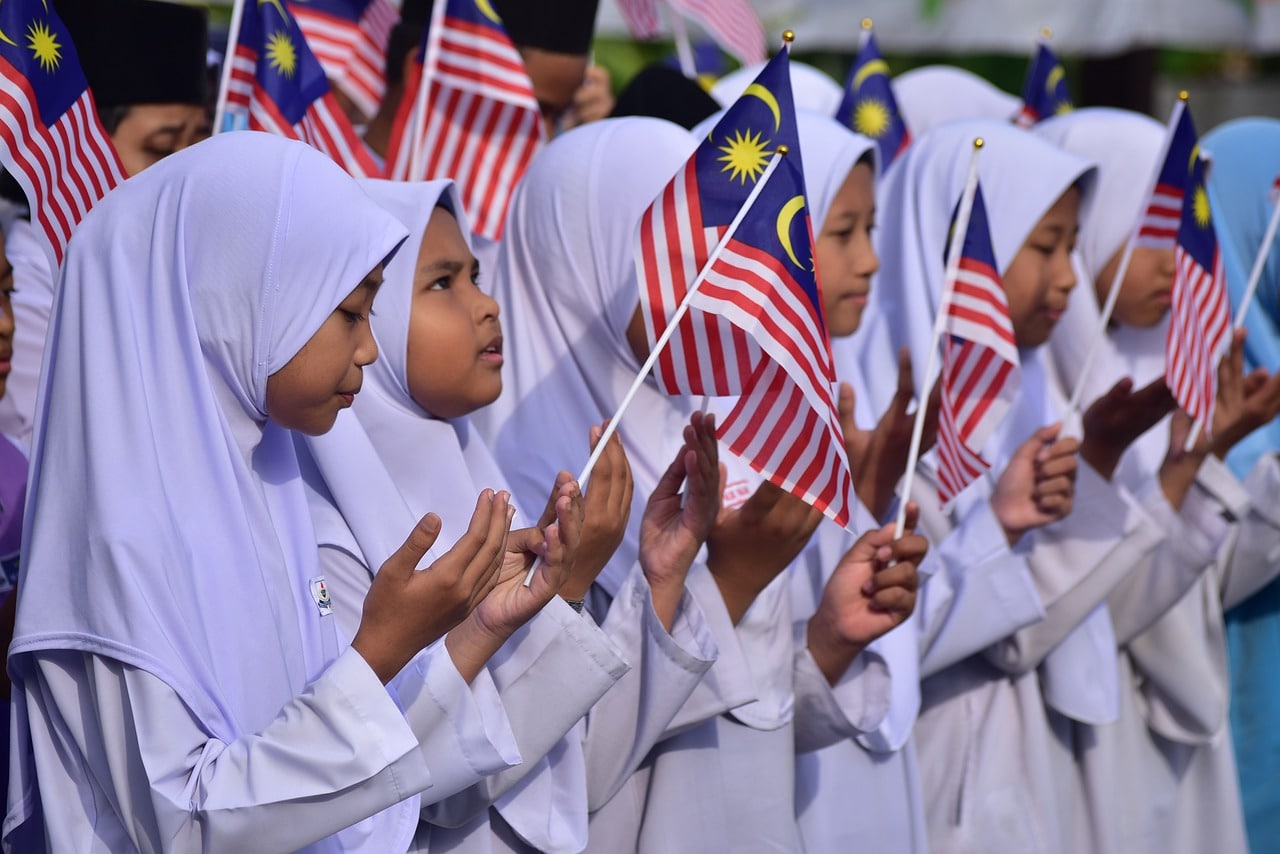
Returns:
(145, 63)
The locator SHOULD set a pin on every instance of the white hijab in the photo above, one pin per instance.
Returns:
(811, 88)
(566, 270)
(185, 548)
(388, 461)
(1021, 177)
(936, 94)
(1126, 146)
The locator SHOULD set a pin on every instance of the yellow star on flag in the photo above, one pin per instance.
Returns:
(44, 45)
(281, 54)
(745, 156)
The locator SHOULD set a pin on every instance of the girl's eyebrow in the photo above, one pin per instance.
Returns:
(448, 266)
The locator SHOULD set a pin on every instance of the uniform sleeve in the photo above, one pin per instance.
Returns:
(1075, 564)
(666, 668)
(855, 705)
(979, 593)
(146, 771)
(548, 675)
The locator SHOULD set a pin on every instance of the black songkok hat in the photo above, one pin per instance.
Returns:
(663, 92)
(562, 26)
(138, 51)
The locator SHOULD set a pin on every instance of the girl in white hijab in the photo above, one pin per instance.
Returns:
(1162, 778)
(392, 458)
(993, 769)
(865, 791)
(179, 682)
(716, 781)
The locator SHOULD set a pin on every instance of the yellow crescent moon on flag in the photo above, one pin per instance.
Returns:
(785, 217)
(1055, 77)
(4, 38)
(279, 7)
(486, 9)
(758, 91)
(1195, 154)
(875, 66)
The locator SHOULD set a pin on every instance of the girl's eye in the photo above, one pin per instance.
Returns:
(441, 284)
(1045, 250)
(353, 317)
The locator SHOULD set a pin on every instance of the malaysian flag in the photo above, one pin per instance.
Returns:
(774, 348)
(50, 138)
(641, 17)
(1044, 93)
(869, 106)
(349, 37)
(1200, 321)
(1158, 228)
(468, 112)
(733, 24)
(980, 366)
(275, 84)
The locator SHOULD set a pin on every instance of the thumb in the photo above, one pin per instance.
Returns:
(1040, 440)
(406, 558)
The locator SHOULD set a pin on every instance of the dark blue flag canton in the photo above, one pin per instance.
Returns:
(735, 155)
(1045, 92)
(1177, 168)
(346, 10)
(1195, 233)
(286, 69)
(34, 41)
(869, 106)
(977, 240)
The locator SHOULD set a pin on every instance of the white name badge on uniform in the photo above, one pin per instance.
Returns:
(320, 593)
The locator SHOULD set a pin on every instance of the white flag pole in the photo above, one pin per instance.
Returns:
(684, 48)
(939, 324)
(419, 124)
(1123, 268)
(233, 39)
(1259, 262)
(673, 323)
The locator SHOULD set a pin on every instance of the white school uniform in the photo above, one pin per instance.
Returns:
(179, 682)
(1163, 777)
(992, 765)
(565, 270)
(384, 465)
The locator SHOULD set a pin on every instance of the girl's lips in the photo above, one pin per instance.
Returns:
(347, 397)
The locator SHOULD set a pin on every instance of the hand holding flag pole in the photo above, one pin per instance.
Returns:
(1122, 269)
(673, 325)
(953, 268)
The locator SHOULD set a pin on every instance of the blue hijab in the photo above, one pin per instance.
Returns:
(1246, 161)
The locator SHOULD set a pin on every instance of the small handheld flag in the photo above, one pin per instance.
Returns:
(50, 136)
(1200, 321)
(1044, 93)
(468, 112)
(733, 24)
(980, 365)
(349, 38)
(272, 82)
(756, 325)
(869, 106)
(1156, 228)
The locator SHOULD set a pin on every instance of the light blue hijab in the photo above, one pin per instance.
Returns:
(1246, 161)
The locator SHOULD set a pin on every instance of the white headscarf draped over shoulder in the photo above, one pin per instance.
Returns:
(185, 548)
(811, 88)
(388, 461)
(566, 278)
(1126, 146)
(936, 94)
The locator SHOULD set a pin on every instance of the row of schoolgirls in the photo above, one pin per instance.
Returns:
(294, 452)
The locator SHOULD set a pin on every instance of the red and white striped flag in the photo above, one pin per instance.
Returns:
(468, 113)
(733, 24)
(349, 38)
(274, 83)
(1200, 317)
(980, 365)
(50, 138)
(641, 17)
(732, 240)
(1158, 228)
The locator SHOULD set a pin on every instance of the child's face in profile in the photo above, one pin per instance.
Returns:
(1039, 281)
(1147, 291)
(323, 377)
(846, 260)
(455, 339)
(6, 317)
